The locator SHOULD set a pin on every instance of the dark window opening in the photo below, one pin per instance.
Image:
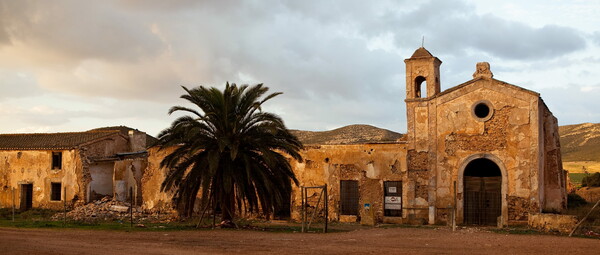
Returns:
(349, 197)
(55, 191)
(56, 160)
(482, 110)
(392, 198)
(26, 196)
(420, 87)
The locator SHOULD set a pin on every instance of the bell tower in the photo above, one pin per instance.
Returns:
(422, 85)
(422, 75)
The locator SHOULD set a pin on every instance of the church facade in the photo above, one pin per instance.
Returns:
(485, 150)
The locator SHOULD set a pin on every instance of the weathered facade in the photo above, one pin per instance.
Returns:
(485, 147)
(44, 170)
(485, 150)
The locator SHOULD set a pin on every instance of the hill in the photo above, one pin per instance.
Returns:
(353, 134)
(580, 142)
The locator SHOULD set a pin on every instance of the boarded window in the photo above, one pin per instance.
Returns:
(392, 198)
(56, 160)
(349, 197)
(55, 192)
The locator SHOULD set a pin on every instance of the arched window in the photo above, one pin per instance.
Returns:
(420, 87)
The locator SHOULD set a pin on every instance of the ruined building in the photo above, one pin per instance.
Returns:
(486, 147)
(43, 170)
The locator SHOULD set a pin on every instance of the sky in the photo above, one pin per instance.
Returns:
(77, 65)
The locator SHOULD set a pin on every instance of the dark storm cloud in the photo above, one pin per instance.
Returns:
(453, 27)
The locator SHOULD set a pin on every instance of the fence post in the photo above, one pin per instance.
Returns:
(131, 206)
(454, 209)
(65, 207)
(326, 205)
(13, 204)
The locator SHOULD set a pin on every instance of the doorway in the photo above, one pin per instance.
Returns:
(26, 196)
(483, 192)
(282, 211)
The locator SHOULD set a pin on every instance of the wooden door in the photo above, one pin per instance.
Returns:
(483, 200)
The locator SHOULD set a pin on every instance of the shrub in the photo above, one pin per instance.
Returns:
(592, 180)
(574, 200)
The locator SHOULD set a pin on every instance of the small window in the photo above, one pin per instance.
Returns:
(55, 192)
(349, 197)
(56, 160)
(482, 110)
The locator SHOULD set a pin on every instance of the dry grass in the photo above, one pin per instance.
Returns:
(579, 166)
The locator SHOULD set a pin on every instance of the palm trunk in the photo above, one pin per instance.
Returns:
(228, 209)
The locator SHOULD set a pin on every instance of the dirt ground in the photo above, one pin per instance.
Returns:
(373, 241)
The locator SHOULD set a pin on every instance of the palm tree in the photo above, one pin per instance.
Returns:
(231, 151)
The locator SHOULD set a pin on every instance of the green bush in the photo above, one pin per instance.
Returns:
(574, 200)
(592, 180)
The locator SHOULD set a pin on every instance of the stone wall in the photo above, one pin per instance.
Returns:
(508, 135)
(553, 222)
(555, 187)
(369, 164)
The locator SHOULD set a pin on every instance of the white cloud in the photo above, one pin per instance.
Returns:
(337, 62)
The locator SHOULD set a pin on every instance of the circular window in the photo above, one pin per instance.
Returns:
(482, 110)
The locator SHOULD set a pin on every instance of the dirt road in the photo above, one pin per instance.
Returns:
(373, 241)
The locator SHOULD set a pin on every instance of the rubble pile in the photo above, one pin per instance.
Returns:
(107, 209)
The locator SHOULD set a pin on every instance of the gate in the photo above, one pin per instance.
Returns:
(483, 200)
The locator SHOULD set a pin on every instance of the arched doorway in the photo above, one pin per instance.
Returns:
(482, 185)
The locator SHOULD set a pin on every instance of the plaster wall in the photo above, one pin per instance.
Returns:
(34, 167)
(102, 180)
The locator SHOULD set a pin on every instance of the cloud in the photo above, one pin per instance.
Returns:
(17, 84)
(572, 104)
(596, 38)
(453, 28)
(337, 62)
(76, 30)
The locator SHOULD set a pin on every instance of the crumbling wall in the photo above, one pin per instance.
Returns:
(369, 164)
(553, 222)
(128, 174)
(34, 167)
(417, 160)
(509, 134)
(153, 176)
(494, 135)
(555, 187)
(107, 147)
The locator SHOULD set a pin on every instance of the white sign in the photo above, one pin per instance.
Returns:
(393, 200)
(392, 189)
(393, 206)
